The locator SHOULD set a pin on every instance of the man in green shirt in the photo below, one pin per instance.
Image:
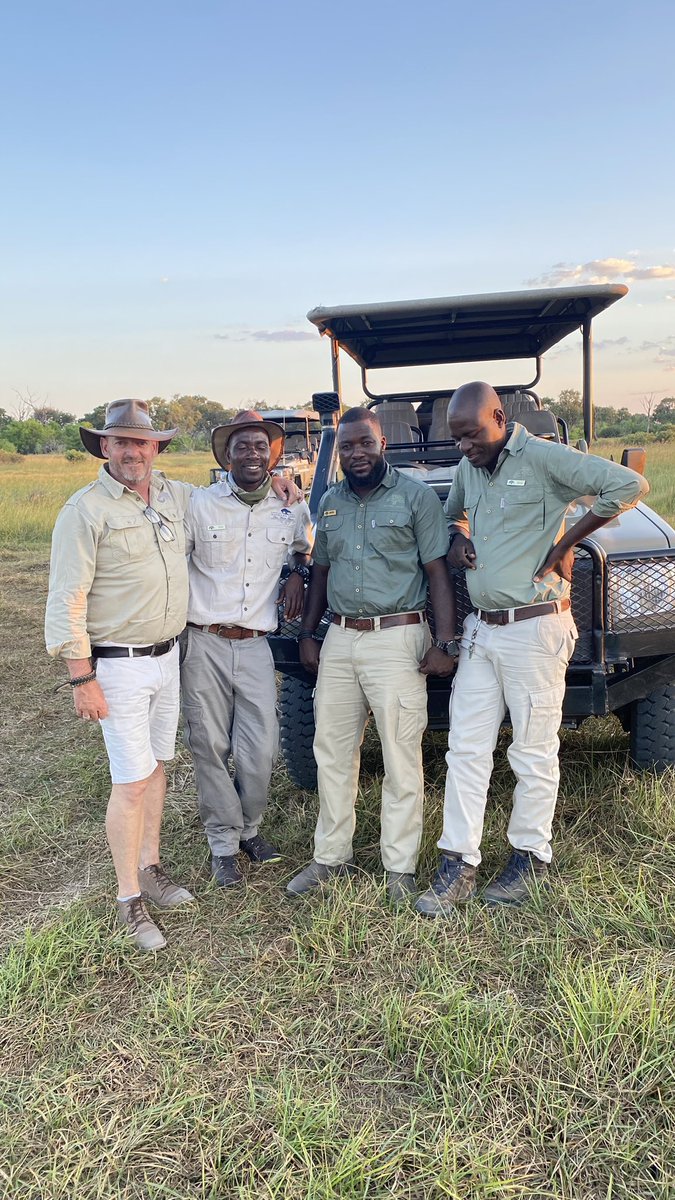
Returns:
(506, 510)
(381, 539)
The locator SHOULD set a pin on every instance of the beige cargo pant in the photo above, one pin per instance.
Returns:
(373, 671)
(520, 667)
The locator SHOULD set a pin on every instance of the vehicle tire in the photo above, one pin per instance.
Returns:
(652, 730)
(296, 730)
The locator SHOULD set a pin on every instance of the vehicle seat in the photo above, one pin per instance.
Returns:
(295, 444)
(439, 430)
(399, 424)
(523, 409)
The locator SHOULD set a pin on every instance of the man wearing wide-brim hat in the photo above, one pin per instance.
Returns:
(117, 602)
(239, 535)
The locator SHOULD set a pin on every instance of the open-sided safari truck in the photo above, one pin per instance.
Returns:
(623, 590)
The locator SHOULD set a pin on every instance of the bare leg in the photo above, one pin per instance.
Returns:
(153, 807)
(125, 820)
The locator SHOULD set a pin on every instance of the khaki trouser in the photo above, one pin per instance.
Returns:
(229, 706)
(376, 671)
(520, 667)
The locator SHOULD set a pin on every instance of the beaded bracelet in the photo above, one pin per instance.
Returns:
(77, 681)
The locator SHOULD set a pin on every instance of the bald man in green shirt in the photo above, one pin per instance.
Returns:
(506, 510)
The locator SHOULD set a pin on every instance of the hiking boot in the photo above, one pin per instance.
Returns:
(226, 870)
(158, 888)
(260, 851)
(523, 874)
(314, 875)
(401, 886)
(136, 919)
(454, 883)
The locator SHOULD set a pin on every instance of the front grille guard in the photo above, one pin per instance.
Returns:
(599, 605)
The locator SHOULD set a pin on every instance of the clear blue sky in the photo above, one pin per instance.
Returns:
(182, 182)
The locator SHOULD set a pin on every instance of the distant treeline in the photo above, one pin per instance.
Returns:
(42, 429)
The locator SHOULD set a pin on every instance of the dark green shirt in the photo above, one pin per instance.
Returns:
(376, 547)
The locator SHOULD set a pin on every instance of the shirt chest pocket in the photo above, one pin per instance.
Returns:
(276, 548)
(127, 537)
(388, 529)
(216, 545)
(174, 521)
(523, 507)
(333, 529)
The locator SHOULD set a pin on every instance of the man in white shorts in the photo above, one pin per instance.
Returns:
(117, 602)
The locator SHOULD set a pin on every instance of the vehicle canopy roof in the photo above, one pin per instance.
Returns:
(454, 329)
(283, 414)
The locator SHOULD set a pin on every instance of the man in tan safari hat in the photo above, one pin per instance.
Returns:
(238, 536)
(117, 602)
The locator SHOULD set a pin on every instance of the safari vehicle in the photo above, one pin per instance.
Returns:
(303, 432)
(623, 589)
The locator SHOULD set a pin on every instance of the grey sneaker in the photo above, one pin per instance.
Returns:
(134, 916)
(226, 870)
(315, 874)
(523, 874)
(401, 886)
(156, 886)
(453, 884)
(259, 850)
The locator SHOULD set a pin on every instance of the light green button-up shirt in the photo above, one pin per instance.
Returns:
(516, 515)
(113, 578)
(376, 547)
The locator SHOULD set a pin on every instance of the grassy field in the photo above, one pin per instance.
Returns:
(330, 1049)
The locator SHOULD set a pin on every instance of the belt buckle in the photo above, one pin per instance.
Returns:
(364, 624)
(503, 618)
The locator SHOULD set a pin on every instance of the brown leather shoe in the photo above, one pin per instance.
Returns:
(156, 886)
(136, 919)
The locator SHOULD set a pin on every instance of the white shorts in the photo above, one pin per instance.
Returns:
(143, 705)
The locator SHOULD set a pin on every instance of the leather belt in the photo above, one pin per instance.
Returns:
(504, 616)
(368, 624)
(233, 633)
(133, 651)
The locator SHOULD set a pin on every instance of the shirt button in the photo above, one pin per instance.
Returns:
(362, 506)
(485, 539)
(482, 595)
(358, 547)
(357, 568)
(249, 560)
(359, 526)
(245, 608)
(488, 511)
(250, 535)
(491, 485)
(358, 589)
(248, 585)
(480, 566)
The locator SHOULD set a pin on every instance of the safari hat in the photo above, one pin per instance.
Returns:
(247, 419)
(125, 418)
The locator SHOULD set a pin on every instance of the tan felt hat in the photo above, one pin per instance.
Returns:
(125, 418)
(247, 419)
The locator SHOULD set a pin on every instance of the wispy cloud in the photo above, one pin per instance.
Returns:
(666, 341)
(600, 270)
(266, 335)
(610, 343)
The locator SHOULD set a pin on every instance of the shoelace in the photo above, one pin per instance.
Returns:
(160, 877)
(137, 912)
(517, 865)
(448, 872)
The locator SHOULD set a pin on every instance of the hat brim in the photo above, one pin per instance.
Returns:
(91, 438)
(220, 437)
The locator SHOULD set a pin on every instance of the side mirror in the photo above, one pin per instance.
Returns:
(582, 445)
(635, 458)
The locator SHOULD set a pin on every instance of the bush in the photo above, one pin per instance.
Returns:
(8, 453)
(7, 447)
(75, 456)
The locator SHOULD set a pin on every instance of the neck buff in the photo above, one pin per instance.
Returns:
(250, 497)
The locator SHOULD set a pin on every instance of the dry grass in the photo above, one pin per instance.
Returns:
(328, 1050)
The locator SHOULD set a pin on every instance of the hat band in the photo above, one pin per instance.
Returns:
(132, 425)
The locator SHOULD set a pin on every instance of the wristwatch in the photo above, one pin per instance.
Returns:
(450, 648)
